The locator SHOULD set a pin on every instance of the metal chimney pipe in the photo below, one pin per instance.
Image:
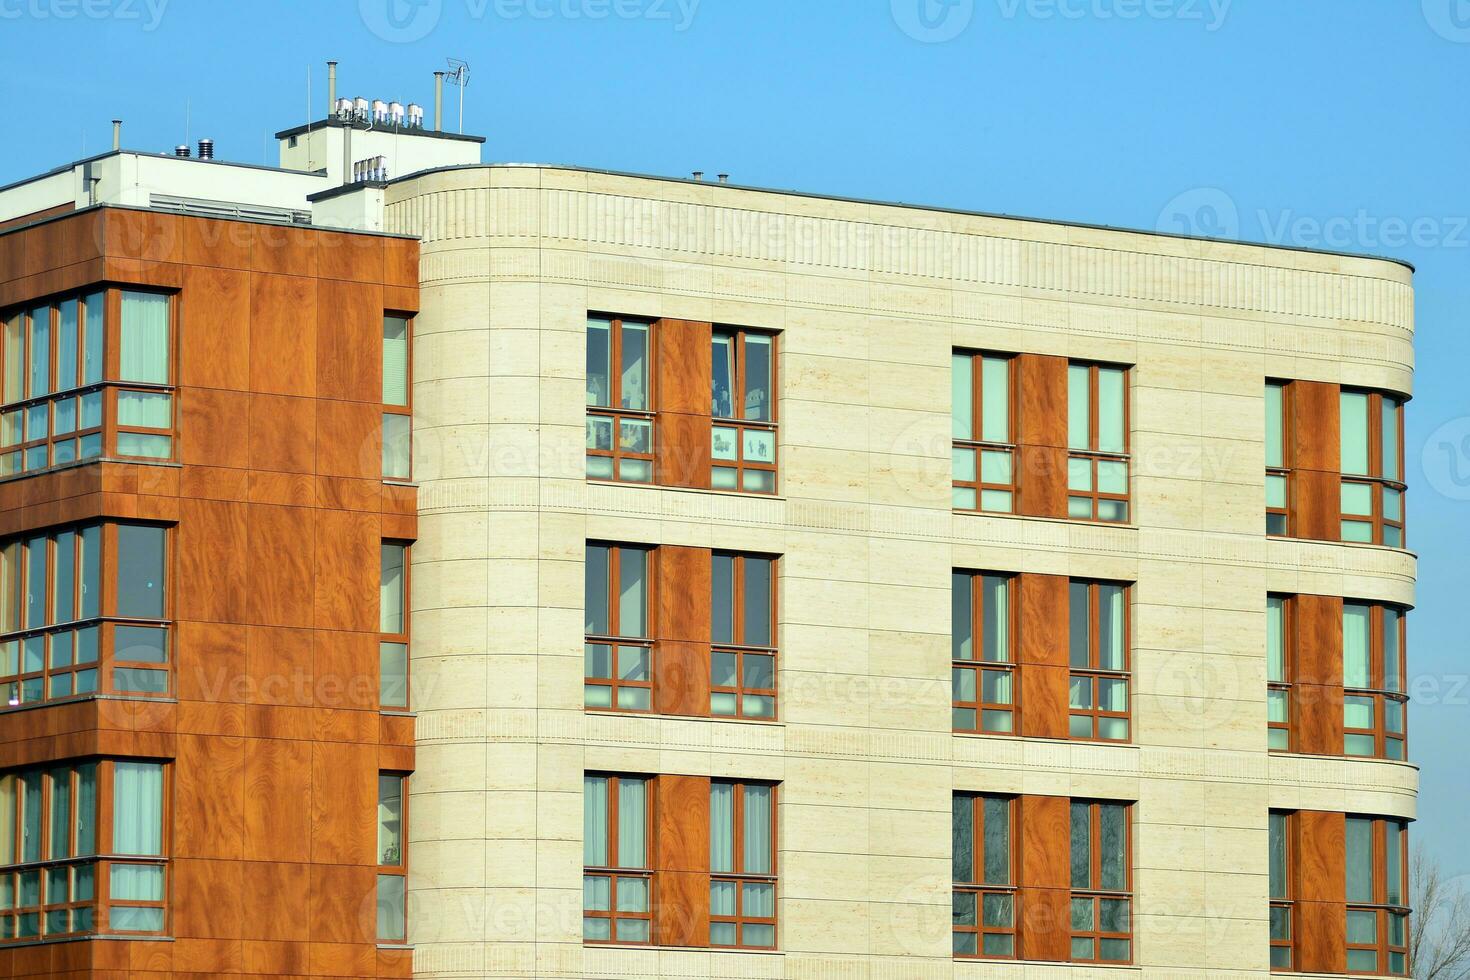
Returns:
(331, 88)
(438, 101)
(117, 134)
(723, 178)
(347, 154)
(206, 149)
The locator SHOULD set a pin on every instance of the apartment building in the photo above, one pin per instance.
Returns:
(766, 585)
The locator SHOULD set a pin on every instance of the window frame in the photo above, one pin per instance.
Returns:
(1095, 893)
(981, 889)
(1286, 686)
(1380, 485)
(401, 638)
(396, 869)
(977, 666)
(739, 423)
(405, 411)
(613, 683)
(1378, 691)
(1094, 672)
(740, 877)
(613, 410)
(1381, 908)
(977, 444)
(1093, 455)
(1285, 904)
(1284, 471)
(740, 649)
(614, 871)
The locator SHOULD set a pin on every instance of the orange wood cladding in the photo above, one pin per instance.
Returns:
(681, 886)
(1321, 910)
(682, 624)
(1041, 643)
(277, 508)
(1045, 877)
(1316, 460)
(1318, 693)
(682, 399)
(1041, 435)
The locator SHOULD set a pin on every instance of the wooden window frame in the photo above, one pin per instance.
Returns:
(1380, 907)
(1096, 894)
(84, 443)
(616, 414)
(1093, 455)
(980, 446)
(398, 869)
(1288, 667)
(1285, 905)
(1288, 454)
(1375, 480)
(977, 886)
(739, 423)
(1378, 690)
(406, 409)
(101, 859)
(739, 649)
(615, 872)
(740, 877)
(611, 639)
(16, 689)
(401, 637)
(1093, 672)
(977, 667)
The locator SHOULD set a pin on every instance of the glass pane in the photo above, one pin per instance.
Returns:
(1079, 692)
(391, 920)
(397, 445)
(997, 842)
(633, 663)
(1280, 923)
(963, 908)
(1112, 476)
(1112, 694)
(10, 429)
(635, 435)
(390, 819)
(998, 910)
(962, 465)
(995, 619)
(35, 589)
(1079, 474)
(145, 446)
(962, 838)
(1110, 398)
(599, 354)
(634, 367)
(60, 829)
(1276, 849)
(66, 345)
(722, 933)
(996, 501)
(759, 481)
(962, 719)
(997, 721)
(1275, 425)
(724, 669)
(1393, 502)
(758, 899)
(995, 467)
(597, 661)
(395, 360)
(1357, 712)
(1112, 510)
(1362, 960)
(722, 378)
(1390, 439)
(1354, 432)
(1362, 926)
(1277, 707)
(724, 444)
(1359, 851)
(390, 588)
(595, 591)
(632, 897)
(594, 825)
(1393, 716)
(1357, 499)
(1358, 745)
(757, 625)
(1113, 822)
(964, 942)
(144, 354)
(1275, 639)
(146, 409)
(1079, 418)
(760, 672)
(1111, 654)
(596, 929)
(756, 824)
(722, 598)
(635, 471)
(393, 675)
(1078, 624)
(40, 351)
(1357, 531)
(599, 433)
(632, 592)
(1081, 914)
(1114, 950)
(632, 823)
(141, 644)
(137, 819)
(1394, 861)
(996, 687)
(1356, 619)
(1113, 915)
(125, 919)
(961, 394)
(1079, 508)
(961, 617)
(1081, 846)
(1081, 948)
(758, 378)
(1276, 492)
(597, 696)
(963, 498)
(995, 410)
(1392, 655)
(64, 586)
(760, 446)
(92, 339)
(758, 706)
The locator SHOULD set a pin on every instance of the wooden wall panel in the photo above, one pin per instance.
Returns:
(1041, 481)
(1046, 834)
(681, 678)
(1318, 639)
(682, 586)
(681, 859)
(1041, 400)
(682, 450)
(283, 335)
(1316, 436)
(1315, 505)
(282, 434)
(214, 352)
(682, 367)
(349, 342)
(1041, 628)
(1044, 925)
(1043, 704)
(1317, 714)
(1321, 882)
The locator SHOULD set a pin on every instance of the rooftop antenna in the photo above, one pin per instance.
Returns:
(459, 74)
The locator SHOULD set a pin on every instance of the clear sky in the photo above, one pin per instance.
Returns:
(1335, 123)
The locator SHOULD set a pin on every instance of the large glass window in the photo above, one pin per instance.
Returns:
(1372, 439)
(743, 636)
(984, 449)
(1377, 896)
(1278, 674)
(392, 856)
(62, 635)
(983, 663)
(1375, 701)
(616, 880)
(1098, 651)
(393, 625)
(397, 398)
(618, 654)
(743, 440)
(1097, 442)
(983, 845)
(1102, 882)
(1281, 860)
(742, 845)
(619, 400)
(1277, 474)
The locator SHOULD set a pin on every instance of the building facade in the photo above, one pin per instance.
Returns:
(766, 585)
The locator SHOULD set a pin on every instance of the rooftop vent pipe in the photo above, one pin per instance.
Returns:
(182, 150)
(723, 178)
(438, 101)
(206, 149)
(117, 134)
(331, 88)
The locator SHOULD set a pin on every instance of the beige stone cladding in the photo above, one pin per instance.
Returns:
(869, 300)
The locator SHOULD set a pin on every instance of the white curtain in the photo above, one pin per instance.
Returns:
(1275, 641)
(144, 337)
(395, 360)
(1079, 414)
(390, 589)
(632, 822)
(594, 821)
(632, 594)
(757, 821)
(721, 827)
(1110, 396)
(997, 649)
(137, 882)
(1111, 626)
(995, 389)
(1355, 645)
(137, 818)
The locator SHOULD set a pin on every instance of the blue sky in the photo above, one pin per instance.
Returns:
(1337, 123)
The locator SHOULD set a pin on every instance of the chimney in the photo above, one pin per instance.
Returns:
(206, 149)
(438, 101)
(331, 88)
(723, 178)
(347, 155)
(697, 175)
(117, 134)
(182, 150)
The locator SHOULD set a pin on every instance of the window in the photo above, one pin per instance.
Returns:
(984, 882)
(1278, 675)
(62, 635)
(743, 404)
(1276, 448)
(1097, 440)
(742, 855)
(53, 826)
(56, 408)
(1282, 875)
(983, 668)
(392, 859)
(984, 449)
(1377, 896)
(1102, 878)
(619, 400)
(1372, 441)
(397, 399)
(618, 655)
(393, 626)
(616, 879)
(742, 623)
(1098, 654)
(1375, 705)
